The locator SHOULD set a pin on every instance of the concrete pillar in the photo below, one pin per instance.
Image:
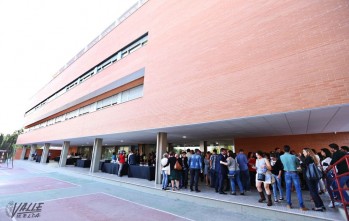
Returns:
(64, 154)
(203, 146)
(141, 149)
(161, 144)
(96, 155)
(45, 153)
(32, 151)
(24, 150)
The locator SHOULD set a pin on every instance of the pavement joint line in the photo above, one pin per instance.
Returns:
(204, 197)
(75, 185)
(62, 198)
(297, 215)
(64, 181)
(146, 206)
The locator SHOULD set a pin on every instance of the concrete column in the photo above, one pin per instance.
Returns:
(32, 151)
(96, 155)
(45, 153)
(24, 150)
(141, 149)
(161, 144)
(203, 146)
(64, 154)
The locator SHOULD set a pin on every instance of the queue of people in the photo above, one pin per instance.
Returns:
(277, 173)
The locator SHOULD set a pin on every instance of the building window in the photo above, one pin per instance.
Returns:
(133, 46)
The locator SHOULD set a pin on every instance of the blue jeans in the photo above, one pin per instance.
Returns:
(164, 179)
(277, 184)
(245, 177)
(235, 179)
(289, 178)
(342, 182)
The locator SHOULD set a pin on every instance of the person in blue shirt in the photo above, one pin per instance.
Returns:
(195, 167)
(113, 158)
(291, 163)
(243, 166)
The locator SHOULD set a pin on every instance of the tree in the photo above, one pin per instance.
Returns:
(8, 142)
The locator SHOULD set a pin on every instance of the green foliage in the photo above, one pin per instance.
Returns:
(8, 142)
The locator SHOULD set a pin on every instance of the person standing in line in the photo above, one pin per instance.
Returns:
(276, 171)
(345, 149)
(321, 185)
(313, 183)
(207, 168)
(290, 164)
(251, 168)
(277, 153)
(341, 168)
(113, 157)
(131, 159)
(327, 157)
(185, 169)
(195, 166)
(189, 153)
(222, 170)
(243, 166)
(234, 174)
(122, 161)
(165, 171)
(263, 167)
(174, 174)
(213, 172)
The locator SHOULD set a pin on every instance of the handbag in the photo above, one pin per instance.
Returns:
(313, 172)
(177, 166)
(261, 177)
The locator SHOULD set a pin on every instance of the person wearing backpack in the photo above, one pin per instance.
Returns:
(311, 160)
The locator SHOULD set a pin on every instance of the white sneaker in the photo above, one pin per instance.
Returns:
(335, 203)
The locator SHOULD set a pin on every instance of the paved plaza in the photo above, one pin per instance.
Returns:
(72, 193)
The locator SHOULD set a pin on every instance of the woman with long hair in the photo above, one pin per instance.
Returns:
(234, 174)
(174, 174)
(313, 183)
(206, 168)
(263, 168)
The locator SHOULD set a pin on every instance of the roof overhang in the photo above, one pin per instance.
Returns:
(330, 119)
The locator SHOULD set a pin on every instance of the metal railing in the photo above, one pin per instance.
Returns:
(335, 184)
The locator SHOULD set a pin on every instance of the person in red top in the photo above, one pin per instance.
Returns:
(121, 161)
(251, 167)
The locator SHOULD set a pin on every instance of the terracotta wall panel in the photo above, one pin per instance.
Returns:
(296, 142)
(214, 60)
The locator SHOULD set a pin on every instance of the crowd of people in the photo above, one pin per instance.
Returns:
(133, 158)
(276, 173)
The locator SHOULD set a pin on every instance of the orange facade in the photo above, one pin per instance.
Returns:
(208, 61)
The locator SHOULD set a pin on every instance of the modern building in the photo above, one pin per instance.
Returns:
(251, 74)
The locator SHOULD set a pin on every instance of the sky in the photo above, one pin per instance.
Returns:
(37, 38)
